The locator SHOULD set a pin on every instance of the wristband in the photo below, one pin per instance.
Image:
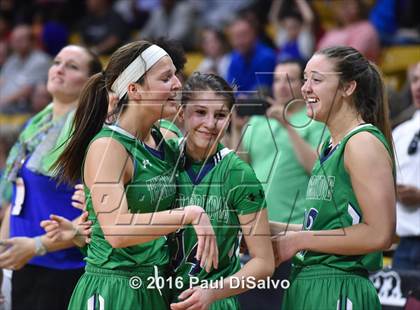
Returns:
(40, 248)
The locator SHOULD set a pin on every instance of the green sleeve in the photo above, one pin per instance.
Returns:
(246, 194)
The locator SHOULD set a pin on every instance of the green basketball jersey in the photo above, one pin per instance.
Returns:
(152, 189)
(226, 187)
(331, 204)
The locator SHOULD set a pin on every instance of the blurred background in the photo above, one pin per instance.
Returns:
(215, 35)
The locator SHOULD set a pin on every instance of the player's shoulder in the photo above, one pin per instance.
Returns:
(238, 167)
(366, 147)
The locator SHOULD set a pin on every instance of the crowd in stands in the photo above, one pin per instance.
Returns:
(250, 43)
(274, 30)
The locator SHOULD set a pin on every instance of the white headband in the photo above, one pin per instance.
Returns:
(136, 69)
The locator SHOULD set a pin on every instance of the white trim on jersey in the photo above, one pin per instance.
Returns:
(220, 155)
(121, 131)
(354, 129)
(354, 215)
(358, 127)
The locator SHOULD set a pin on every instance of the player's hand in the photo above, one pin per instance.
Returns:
(238, 121)
(83, 230)
(195, 298)
(276, 111)
(408, 195)
(79, 198)
(58, 228)
(207, 251)
(284, 247)
(16, 252)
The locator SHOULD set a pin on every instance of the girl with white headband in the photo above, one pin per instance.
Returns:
(129, 183)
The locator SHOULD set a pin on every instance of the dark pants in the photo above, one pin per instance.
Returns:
(272, 298)
(35, 287)
(407, 254)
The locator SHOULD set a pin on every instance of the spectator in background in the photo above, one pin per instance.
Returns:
(54, 36)
(4, 52)
(280, 147)
(102, 29)
(251, 60)
(401, 106)
(174, 20)
(354, 29)
(396, 21)
(383, 17)
(44, 280)
(407, 149)
(5, 27)
(294, 37)
(17, 10)
(50, 32)
(218, 13)
(23, 69)
(136, 13)
(215, 49)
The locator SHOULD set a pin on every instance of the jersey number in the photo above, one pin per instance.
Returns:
(179, 257)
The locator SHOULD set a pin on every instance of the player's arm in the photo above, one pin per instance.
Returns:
(305, 153)
(15, 252)
(278, 228)
(255, 229)
(106, 179)
(236, 138)
(370, 169)
(261, 265)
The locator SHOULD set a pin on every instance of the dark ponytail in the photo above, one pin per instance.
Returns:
(88, 121)
(92, 111)
(369, 97)
(378, 95)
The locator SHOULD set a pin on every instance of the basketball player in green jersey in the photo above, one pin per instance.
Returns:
(214, 177)
(350, 200)
(129, 186)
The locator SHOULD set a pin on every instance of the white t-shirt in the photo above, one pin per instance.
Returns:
(408, 173)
